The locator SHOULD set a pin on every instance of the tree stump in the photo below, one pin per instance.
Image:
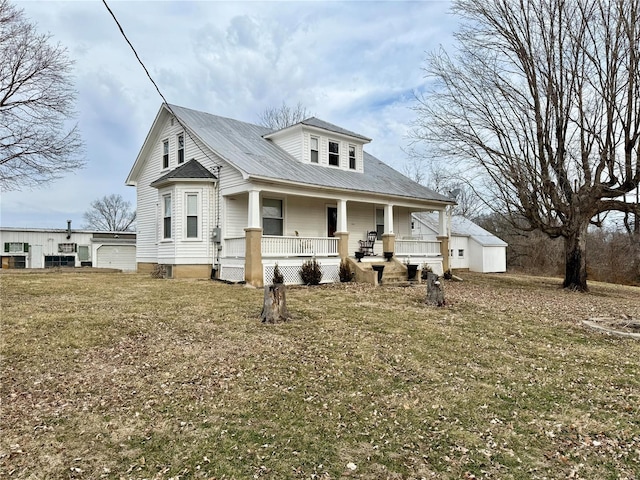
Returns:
(435, 293)
(274, 309)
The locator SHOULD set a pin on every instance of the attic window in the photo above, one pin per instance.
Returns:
(352, 157)
(181, 148)
(334, 153)
(314, 150)
(165, 154)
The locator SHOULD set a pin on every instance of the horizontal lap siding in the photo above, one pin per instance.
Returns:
(235, 215)
(360, 219)
(306, 215)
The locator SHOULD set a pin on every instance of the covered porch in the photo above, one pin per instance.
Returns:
(291, 229)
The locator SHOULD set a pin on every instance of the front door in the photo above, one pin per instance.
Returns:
(332, 221)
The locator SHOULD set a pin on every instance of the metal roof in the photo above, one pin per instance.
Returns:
(462, 227)
(316, 122)
(191, 170)
(243, 146)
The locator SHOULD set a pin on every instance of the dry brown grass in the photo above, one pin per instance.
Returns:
(125, 376)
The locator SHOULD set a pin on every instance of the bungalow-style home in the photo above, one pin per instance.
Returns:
(225, 199)
(59, 247)
(471, 247)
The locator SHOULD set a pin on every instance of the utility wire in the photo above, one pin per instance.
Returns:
(218, 167)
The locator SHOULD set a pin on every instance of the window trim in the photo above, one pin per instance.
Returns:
(180, 149)
(67, 247)
(24, 247)
(165, 154)
(197, 215)
(331, 154)
(281, 218)
(316, 150)
(461, 253)
(165, 197)
(353, 162)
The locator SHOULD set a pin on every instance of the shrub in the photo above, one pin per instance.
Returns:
(277, 275)
(311, 273)
(344, 272)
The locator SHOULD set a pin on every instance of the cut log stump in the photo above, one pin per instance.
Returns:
(435, 293)
(274, 309)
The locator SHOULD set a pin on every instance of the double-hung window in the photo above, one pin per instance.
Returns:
(272, 218)
(16, 247)
(192, 215)
(380, 222)
(181, 148)
(314, 149)
(165, 154)
(352, 157)
(166, 214)
(334, 153)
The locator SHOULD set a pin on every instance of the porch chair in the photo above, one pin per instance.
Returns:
(366, 246)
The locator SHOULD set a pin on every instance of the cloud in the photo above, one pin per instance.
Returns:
(354, 64)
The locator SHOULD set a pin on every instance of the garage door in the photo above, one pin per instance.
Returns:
(117, 256)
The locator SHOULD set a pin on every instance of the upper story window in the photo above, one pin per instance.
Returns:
(192, 215)
(272, 217)
(181, 148)
(334, 153)
(352, 157)
(165, 154)
(166, 214)
(314, 149)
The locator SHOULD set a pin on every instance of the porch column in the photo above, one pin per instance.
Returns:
(443, 237)
(253, 213)
(388, 237)
(342, 233)
(253, 272)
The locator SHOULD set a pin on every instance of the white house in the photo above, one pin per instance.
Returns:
(223, 198)
(45, 248)
(470, 246)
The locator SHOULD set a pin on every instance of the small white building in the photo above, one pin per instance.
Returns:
(470, 246)
(47, 248)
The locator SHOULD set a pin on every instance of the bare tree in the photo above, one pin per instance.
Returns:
(283, 116)
(36, 100)
(111, 213)
(543, 96)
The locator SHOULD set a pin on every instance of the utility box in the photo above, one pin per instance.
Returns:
(216, 235)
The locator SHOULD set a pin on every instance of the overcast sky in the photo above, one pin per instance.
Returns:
(355, 64)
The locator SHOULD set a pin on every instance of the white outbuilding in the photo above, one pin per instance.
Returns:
(47, 248)
(470, 246)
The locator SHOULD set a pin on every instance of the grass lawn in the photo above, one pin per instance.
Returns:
(126, 376)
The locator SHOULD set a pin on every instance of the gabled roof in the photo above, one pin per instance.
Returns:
(243, 146)
(189, 171)
(316, 122)
(462, 227)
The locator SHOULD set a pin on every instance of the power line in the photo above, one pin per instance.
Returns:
(218, 167)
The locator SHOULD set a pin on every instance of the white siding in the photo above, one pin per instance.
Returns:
(456, 244)
(307, 215)
(292, 143)
(235, 215)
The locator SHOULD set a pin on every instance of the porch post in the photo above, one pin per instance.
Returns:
(253, 272)
(388, 237)
(342, 233)
(443, 237)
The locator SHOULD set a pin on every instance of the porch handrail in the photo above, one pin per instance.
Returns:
(418, 247)
(234, 247)
(277, 246)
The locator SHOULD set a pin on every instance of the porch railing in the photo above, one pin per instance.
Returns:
(234, 247)
(299, 246)
(276, 246)
(417, 247)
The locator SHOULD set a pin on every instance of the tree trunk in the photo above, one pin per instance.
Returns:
(274, 309)
(575, 255)
(435, 294)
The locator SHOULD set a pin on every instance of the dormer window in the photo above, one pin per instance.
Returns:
(334, 153)
(181, 148)
(314, 149)
(352, 157)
